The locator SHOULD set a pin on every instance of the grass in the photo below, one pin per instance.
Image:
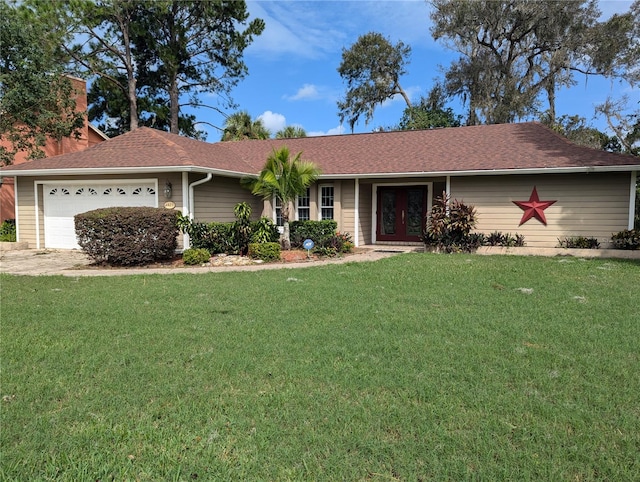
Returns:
(417, 367)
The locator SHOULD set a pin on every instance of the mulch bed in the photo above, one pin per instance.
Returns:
(291, 256)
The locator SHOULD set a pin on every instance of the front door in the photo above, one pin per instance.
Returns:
(401, 213)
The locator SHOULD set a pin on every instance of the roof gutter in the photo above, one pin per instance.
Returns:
(387, 175)
(116, 170)
(486, 172)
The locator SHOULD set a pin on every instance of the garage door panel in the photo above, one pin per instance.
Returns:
(63, 202)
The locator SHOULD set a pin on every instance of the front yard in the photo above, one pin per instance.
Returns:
(416, 367)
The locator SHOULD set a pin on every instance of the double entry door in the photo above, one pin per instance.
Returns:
(401, 213)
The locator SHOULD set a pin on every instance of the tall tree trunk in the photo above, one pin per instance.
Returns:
(125, 25)
(133, 104)
(286, 234)
(174, 106)
(550, 87)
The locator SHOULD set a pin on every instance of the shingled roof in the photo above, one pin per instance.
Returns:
(487, 148)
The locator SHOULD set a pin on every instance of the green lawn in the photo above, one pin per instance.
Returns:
(416, 367)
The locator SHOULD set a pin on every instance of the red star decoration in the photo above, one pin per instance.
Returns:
(533, 208)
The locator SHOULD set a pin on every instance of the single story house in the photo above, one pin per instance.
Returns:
(379, 186)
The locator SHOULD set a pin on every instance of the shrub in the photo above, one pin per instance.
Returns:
(242, 227)
(265, 251)
(264, 231)
(505, 240)
(318, 231)
(229, 238)
(579, 242)
(449, 226)
(214, 237)
(334, 245)
(627, 239)
(193, 256)
(128, 235)
(8, 230)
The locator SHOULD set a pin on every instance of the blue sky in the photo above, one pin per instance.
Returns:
(293, 78)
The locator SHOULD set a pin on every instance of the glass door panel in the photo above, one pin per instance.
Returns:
(415, 212)
(389, 207)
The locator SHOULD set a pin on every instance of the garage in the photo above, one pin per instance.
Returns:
(62, 201)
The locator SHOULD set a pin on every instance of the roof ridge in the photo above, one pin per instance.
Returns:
(161, 135)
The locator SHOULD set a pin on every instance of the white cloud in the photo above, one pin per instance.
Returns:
(331, 132)
(306, 92)
(273, 121)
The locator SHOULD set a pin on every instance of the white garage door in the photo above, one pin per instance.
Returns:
(62, 202)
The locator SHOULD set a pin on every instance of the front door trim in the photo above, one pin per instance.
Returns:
(374, 201)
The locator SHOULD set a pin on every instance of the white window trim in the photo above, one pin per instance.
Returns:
(320, 186)
(274, 214)
(297, 217)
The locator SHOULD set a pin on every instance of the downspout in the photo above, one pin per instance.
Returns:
(192, 208)
(632, 199)
(185, 205)
(356, 216)
(37, 212)
(448, 192)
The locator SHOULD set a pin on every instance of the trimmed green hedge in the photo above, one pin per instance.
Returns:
(193, 256)
(264, 251)
(318, 231)
(128, 235)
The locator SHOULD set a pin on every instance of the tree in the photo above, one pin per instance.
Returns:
(109, 110)
(372, 68)
(576, 129)
(429, 113)
(284, 178)
(514, 51)
(625, 126)
(105, 50)
(239, 127)
(191, 47)
(291, 132)
(36, 100)
(169, 51)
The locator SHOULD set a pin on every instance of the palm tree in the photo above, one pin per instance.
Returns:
(239, 126)
(283, 178)
(290, 132)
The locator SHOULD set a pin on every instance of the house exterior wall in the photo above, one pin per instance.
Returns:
(215, 200)
(591, 205)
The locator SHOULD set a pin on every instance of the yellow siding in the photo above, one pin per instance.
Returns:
(26, 212)
(347, 205)
(590, 205)
(365, 214)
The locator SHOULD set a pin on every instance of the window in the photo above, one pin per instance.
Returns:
(326, 202)
(277, 208)
(304, 206)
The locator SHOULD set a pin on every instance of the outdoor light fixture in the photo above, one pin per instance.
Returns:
(167, 190)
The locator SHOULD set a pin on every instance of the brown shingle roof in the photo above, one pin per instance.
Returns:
(460, 149)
